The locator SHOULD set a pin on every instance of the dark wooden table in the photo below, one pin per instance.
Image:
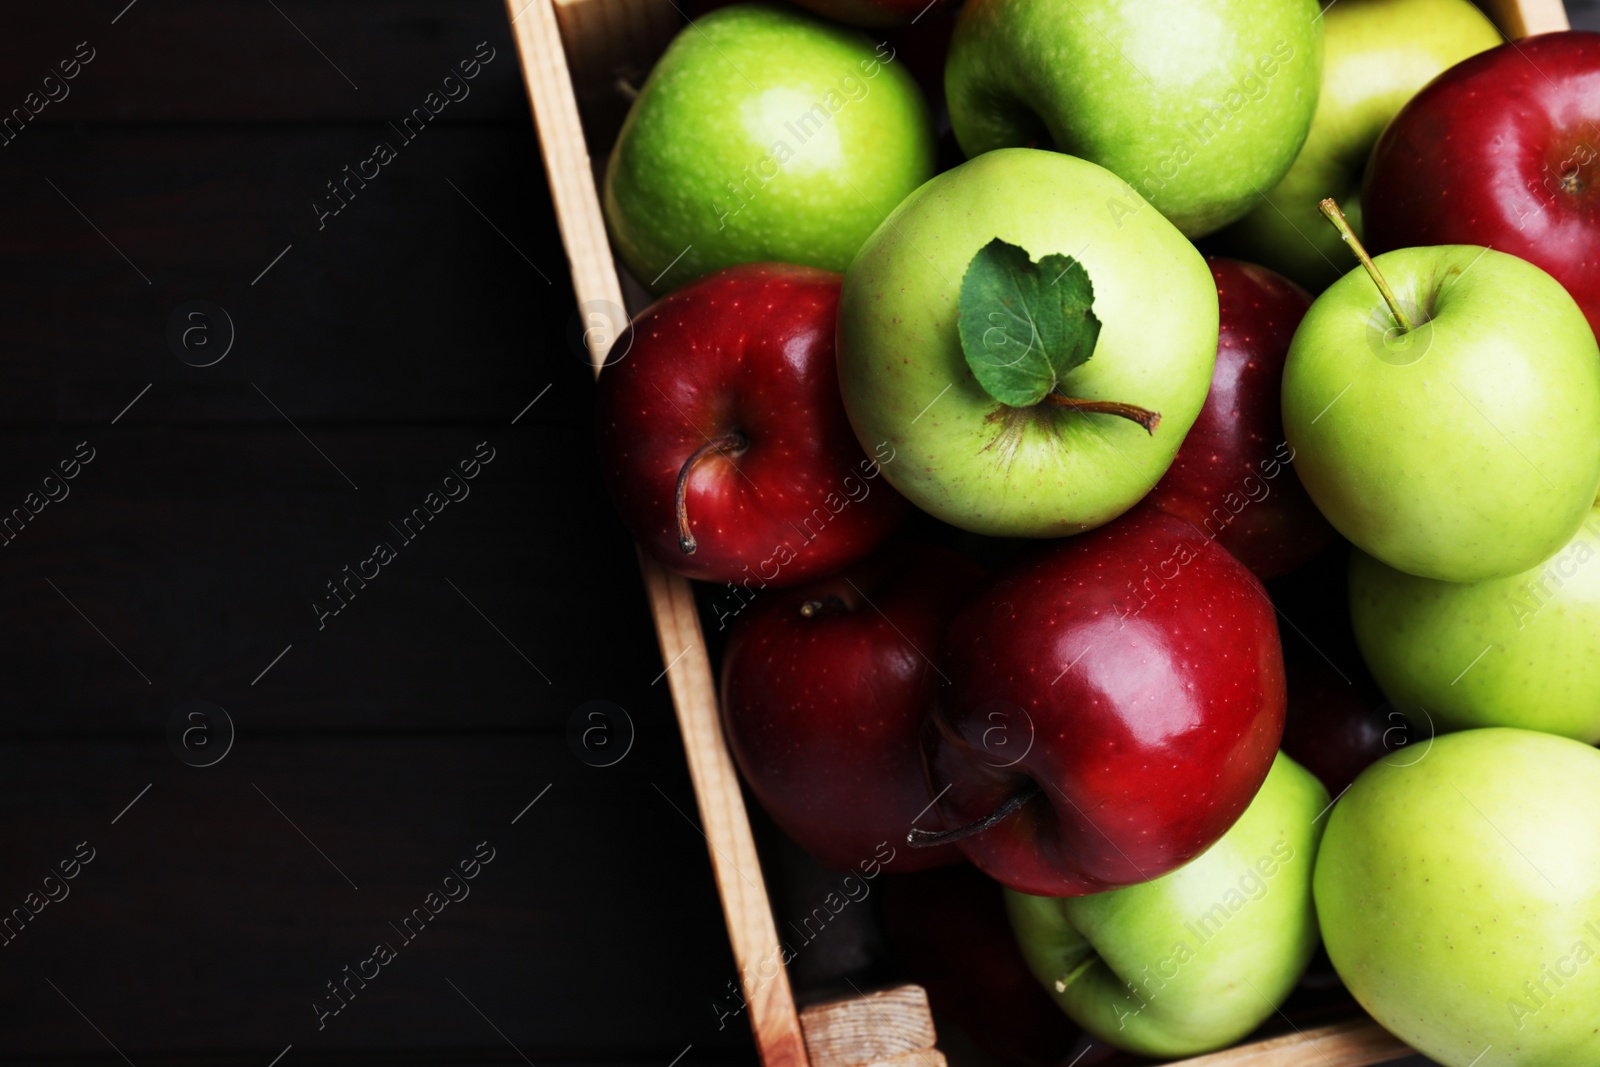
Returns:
(373, 749)
(170, 203)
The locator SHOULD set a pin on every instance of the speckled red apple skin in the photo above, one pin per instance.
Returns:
(1147, 660)
(824, 714)
(1482, 155)
(1232, 476)
(751, 349)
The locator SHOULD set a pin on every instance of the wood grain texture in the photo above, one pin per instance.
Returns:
(751, 929)
(926, 1057)
(884, 1026)
(1354, 1043)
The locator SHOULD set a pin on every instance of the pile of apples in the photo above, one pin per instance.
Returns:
(984, 453)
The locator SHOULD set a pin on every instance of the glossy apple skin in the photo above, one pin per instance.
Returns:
(1200, 105)
(1198, 958)
(824, 712)
(950, 931)
(967, 458)
(749, 349)
(763, 133)
(1145, 661)
(1453, 892)
(1232, 475)
(1522, 651)
(1377, 54)
(1464, 449)
(1501, 150)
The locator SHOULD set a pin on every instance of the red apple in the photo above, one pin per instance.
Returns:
(1338, 724)
(723, 439)
(1502, 150)
(949, 928)
(824, 690)
(1141, 664)
(1232, 476)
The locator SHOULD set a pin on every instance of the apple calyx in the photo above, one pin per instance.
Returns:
(731, 444)
(918, 838)
(825, 605)
(1024, 326)
(1330, 209)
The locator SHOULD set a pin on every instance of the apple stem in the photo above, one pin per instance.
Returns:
(932, 838)
(728, 442)
(1132, 412)
(1330, 208)
(1077, 972)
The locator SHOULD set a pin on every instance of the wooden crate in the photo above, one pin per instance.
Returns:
(580, 59)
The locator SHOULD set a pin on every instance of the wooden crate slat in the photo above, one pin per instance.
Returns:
(1354, 1043)
(886, 1026)
(925, 1057)
(751, 928)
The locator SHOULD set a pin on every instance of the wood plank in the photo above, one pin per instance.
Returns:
(881, 1027)
(206, 921)
(923, 1057)
(751, 930)
(246, 60)
(408, 305)
(199, 553)
(1353, 1043)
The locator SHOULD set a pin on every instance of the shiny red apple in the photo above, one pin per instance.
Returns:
(1136, 677)
(1232, 476)
(824, 691)
(1501, 150)
(950, 930)
(723, 439)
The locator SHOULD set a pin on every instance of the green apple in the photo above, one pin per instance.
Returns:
(1459, 898)
(763, 133)
(1464, 448)
(1197, 958)
(1009, 469)
(1376, 55)
(1520, 651)
(1201, 105)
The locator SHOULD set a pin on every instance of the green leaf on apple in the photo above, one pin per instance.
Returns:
(1025, 325)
